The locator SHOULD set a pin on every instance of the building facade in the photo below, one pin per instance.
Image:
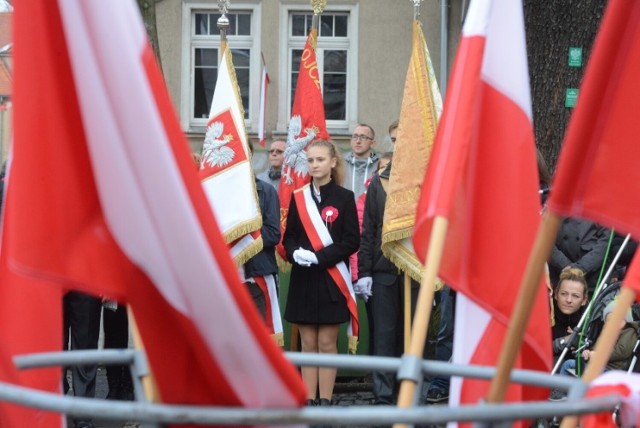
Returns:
(363, 53)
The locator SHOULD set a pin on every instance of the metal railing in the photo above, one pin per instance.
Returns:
(153, 414)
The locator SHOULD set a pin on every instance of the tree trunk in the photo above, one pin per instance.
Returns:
(148, 12)
(552, 27)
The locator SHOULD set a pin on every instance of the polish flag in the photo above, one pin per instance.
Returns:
(627, 386)
(597, 175)
(103, 197)
(482, 178)
(306, 125)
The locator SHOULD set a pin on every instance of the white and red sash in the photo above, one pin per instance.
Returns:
(320, 238)
(267, 284)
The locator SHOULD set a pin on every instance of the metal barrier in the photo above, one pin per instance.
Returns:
(145, 412)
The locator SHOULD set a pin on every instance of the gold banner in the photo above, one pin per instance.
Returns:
(419, 115)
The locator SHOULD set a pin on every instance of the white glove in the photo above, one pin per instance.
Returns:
(308, 256)
(298, 258)
(363, 287)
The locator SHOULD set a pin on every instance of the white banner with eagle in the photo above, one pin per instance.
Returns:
(225, 169)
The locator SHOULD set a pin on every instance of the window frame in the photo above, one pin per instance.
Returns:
(288, 43)
(191, 41)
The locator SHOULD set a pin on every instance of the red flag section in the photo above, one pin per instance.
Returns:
(103, 197)
(597, 176)
(482, 178)
(307, 125)
(35, 307)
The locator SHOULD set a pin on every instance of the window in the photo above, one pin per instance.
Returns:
(201, 57)
(337, 62)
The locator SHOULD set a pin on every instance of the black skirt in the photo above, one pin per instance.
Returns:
(314, 298)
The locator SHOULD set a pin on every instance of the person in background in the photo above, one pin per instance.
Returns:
(81, 330)
(262, 269)
(570, 298)
(276, 158)
(579, 244)
(116, 336)
(317, 299)
(620, 355)
(381, 280)
(361, 162)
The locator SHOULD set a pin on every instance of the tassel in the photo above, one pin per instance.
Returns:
(353, 344)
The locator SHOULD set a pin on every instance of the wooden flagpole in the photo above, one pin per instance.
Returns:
(407, 311)
(424, 305)
(542, 247)
(149, 386)
(604, 344)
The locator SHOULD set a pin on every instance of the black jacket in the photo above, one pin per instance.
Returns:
(371, 261)
(581, 244)
(264, 263)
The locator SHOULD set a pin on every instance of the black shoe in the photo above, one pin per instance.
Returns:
(311, 402)
(324, 402)
(84, 424)
(557, 395)
(435, 396)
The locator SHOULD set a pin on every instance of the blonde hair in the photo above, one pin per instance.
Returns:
(337, 172)
(573, 274)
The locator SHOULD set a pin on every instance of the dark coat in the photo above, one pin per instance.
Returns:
(562, 323)
(314, 298)
(264, 263)
(371, 261)
(581, 244)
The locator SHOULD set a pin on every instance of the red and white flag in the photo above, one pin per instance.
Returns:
(103, 197)
(264, 84)
(226, 171)
(482, 178)
(597, 176)
(307, 124)
(626, 385)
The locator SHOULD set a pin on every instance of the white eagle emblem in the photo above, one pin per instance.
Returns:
(295, 158)
(215, 151)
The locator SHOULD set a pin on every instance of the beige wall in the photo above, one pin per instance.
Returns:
(384, 32)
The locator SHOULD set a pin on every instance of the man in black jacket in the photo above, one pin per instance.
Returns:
(264, 263)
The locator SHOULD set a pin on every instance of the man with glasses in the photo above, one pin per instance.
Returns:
(276, 158)
(361, 162)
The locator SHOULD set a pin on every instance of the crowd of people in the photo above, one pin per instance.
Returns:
(581, 252)
(333, 241)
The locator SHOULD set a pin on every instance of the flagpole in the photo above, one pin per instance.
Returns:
(605, 343)
(407, 311)
(223, 24)
(542, 247)
(149, 386)
(318, 7)
(423, 306)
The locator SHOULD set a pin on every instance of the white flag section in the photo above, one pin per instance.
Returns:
(152, 203)
(226, 170)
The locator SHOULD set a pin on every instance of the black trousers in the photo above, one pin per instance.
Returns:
(82, 326)
(116, 336)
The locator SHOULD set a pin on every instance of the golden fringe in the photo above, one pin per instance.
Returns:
(407, 262)
(242, 229)
(283, 265)
(397, 235)
(353, 344)
(279, 339)
(252, 249)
